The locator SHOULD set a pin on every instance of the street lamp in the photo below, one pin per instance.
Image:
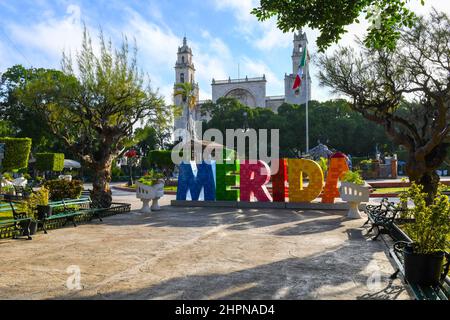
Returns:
(131, 155)
(245, 127)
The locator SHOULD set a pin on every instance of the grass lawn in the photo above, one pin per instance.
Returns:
(395, 190)
(388, 190)
(166, 188)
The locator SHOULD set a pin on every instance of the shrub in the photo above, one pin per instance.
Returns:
(323, 163)
(162, 159)
(62, 189)
(8, 176)
(17, 152)
(50, 161)
(431, 227)
(151, 178)
(37, 198)
(352, 177)
(116, 172)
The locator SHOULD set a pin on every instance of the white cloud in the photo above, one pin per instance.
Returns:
(241, 8)
(157, 44)
(272, 37)
(263, 35)
(52, 35)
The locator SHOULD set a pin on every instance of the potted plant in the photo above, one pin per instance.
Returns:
(43, 210)
(150, 187)
(424, 256)
(30, 207)
(354, 190)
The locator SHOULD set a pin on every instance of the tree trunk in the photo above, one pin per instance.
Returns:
(419, 173)
(101, 192)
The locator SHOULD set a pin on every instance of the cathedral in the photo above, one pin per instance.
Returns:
(249, 91)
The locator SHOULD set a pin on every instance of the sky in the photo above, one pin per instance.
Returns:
(222, 34)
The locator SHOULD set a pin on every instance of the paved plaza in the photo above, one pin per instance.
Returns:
(202, 253)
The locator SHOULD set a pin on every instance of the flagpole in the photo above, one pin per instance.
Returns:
(307, 102)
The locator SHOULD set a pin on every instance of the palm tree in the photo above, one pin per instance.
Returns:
(189, 99)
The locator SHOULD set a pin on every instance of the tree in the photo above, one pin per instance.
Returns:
(162, 159)
(331, 18)
(94, 109)
(332, 122)
(186, 91)
(380, 81)
(146, 139)
(24, 121)
(5, 128)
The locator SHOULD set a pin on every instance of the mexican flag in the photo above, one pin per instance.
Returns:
(299, 77)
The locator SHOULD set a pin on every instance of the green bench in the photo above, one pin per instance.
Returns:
(439, 292)
(84, 208)
(20, 224)
(382, 217)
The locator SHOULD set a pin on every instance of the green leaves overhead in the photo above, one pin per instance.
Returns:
(385, 18)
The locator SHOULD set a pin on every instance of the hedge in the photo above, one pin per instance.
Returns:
(17, 153)
(50, 161)
(63, 189)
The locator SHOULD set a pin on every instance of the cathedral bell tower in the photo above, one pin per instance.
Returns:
(300, 43)
(185, 72)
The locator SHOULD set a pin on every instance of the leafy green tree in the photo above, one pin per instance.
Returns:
(5, 128)
(24, 121)
(93, 110)
(332, 122)
(378, 82)
(385, 18)
(147, 139)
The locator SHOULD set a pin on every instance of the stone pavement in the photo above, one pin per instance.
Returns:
(202, 253)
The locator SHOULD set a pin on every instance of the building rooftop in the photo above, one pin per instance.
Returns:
(246, 79)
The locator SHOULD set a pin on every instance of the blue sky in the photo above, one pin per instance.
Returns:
(222, 34)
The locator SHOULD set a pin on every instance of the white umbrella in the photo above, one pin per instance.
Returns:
(71, 164)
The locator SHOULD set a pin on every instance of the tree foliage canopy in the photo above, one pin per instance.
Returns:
(331, 17)
(332, 122)
(94, 104)
(379, 82)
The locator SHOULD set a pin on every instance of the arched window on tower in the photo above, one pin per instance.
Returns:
(181, 77)
(182, 59)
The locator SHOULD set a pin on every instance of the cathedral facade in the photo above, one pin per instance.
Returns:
(249, 91)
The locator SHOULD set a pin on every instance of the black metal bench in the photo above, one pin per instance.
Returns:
(382, 217)
(17, 226)
(439, 292)
(84, 207)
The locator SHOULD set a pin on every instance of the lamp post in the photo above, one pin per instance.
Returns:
(130, 154)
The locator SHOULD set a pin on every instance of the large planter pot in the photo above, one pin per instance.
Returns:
(150, 193)
(354, 194)
(423, 269)
(33, 227)
(44, 212)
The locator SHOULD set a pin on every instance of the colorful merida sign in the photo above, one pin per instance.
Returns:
(248, 181)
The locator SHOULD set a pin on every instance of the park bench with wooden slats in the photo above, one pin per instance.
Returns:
(438, 292)
(83, 208)
(382, 217)
(20, 224)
